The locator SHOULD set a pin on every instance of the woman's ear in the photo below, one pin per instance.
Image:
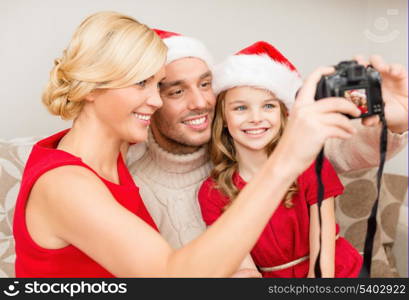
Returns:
(90, 97)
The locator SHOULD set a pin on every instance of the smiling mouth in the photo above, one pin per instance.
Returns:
(258, 131)
(145, 118)
(198, 123)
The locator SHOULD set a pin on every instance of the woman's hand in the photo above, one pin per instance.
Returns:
(247, 273)
(312, 122)
(394, 93)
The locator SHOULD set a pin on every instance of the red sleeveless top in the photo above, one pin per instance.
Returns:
(33, 260)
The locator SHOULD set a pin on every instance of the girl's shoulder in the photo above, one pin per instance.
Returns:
(308, 182)
(209, 192)
(208, 188)
(211, 200)
(310, 175)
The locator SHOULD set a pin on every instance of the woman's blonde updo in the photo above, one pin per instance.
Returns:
(108, 50)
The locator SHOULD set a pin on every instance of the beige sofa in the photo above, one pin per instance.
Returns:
(352, 208)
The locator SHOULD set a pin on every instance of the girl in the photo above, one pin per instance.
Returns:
(79, 213)
(257, 87)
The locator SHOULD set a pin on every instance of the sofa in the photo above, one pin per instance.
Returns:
(352, 209)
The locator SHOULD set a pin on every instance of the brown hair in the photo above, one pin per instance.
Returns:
(223, 153)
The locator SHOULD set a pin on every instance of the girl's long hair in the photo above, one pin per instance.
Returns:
(223, 153)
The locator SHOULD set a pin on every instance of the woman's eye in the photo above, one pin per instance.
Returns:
(141, 83)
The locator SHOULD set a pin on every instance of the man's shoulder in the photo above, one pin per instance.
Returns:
(135, 152)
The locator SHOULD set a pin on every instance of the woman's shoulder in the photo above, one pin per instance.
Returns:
(64, 181)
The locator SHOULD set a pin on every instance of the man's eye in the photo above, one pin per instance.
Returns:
(206, 84)
(141, 83)
(240, 108)
(175, 93)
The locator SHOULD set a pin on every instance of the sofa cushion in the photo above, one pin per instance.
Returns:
(13, 155)
(353, 208)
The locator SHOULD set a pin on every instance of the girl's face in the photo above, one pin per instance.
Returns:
(126, 112)
(252, 117)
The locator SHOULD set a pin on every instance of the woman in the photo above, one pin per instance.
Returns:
(79, 214)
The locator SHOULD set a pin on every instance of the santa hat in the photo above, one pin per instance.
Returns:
(259, 65)
(358, 93)
(180, 46)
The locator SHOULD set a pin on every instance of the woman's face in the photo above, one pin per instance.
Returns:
(126, 112)
(252, 117)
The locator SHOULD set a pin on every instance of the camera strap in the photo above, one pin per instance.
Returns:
(371, 228)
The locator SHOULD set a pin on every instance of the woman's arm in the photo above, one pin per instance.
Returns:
(327, 256)
(247, 269)
(81, 211)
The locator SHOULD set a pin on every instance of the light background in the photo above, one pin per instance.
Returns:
(309, 32)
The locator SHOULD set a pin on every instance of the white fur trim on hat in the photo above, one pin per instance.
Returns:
(257, 71)
(183, 46)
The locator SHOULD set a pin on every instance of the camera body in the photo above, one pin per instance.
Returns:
(354, 82)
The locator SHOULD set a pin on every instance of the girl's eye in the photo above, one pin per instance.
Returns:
(240, 108)
(141, 83)
(269, 106)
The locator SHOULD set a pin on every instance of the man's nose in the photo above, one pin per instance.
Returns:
(197, 100)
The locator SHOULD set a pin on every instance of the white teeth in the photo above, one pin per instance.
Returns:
(143, 117)
(255, 131)
(196, 121)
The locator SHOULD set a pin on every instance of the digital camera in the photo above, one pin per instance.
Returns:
(356, 83)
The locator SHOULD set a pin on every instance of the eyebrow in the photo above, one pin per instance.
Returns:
(204, 75)
(246, 101)
(181, 81)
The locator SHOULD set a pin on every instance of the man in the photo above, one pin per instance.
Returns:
(170, 168)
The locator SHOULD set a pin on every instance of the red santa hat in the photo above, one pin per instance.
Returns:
(180, 46)
(358, 93)
(259, 65)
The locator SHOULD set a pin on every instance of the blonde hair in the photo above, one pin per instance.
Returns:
(108, 50)
(223, 154)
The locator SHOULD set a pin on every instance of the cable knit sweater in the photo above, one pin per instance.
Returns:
(168, 183)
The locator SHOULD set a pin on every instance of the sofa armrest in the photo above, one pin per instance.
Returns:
(400, 247)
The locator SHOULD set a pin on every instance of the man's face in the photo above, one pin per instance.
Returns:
(184, 122)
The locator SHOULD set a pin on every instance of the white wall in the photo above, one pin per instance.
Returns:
(309, 32)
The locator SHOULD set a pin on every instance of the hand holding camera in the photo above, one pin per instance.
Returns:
(356, 83)
(394, 91)
(360, 82)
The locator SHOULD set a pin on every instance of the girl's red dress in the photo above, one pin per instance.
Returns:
(286, 236)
